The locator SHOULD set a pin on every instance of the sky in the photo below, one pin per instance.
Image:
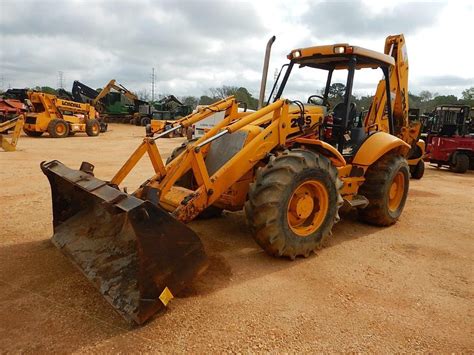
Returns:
(197, 45)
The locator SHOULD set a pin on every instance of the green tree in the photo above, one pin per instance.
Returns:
(191, 101)
(425, 95)
(207, 100)
(241, 94)
(468, 94)
(363, 103)
(337, 91)
(46, 89)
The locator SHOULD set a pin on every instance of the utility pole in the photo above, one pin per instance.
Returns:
(152, 84)
(60, 80)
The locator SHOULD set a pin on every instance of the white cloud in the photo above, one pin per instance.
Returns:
(195, 45)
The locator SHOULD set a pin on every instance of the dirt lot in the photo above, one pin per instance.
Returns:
(401, 289)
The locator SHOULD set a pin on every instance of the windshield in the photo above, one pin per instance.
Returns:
(305, 82)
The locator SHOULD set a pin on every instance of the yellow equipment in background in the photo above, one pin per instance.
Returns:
(15, 123)
(290, 166)
(59, 117)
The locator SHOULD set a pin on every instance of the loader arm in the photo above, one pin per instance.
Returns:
(120, 88)
(211, 186)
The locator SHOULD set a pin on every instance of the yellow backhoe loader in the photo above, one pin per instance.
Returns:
(59, 117)
(290, 166)
(16, 124)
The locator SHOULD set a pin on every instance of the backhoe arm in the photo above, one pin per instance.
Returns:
(111, 85)
(398, 78)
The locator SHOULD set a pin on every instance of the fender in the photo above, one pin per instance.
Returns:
(377, 145)
(331, 152)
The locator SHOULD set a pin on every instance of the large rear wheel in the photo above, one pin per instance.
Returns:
(386, 188)
(293, 203)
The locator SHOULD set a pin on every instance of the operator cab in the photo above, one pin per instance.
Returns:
(450, 120)
(343, 126)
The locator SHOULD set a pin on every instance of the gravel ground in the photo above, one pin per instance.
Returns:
(405, 288)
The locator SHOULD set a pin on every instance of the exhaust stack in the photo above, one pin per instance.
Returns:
(266, 61)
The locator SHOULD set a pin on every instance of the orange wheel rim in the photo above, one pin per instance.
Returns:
(396, 192)
(95, 129)
(60, 129)
(307, 208)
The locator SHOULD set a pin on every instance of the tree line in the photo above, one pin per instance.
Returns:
(426, 101)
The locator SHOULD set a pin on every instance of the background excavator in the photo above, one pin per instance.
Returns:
(114, 102)
(290, 166)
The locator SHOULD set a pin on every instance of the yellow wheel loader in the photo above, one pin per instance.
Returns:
(290, 165)
(59, 117)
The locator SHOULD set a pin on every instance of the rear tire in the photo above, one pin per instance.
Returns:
(460, 163)
(58, 128)
(419, 170)
(293, 203)
(32, 133)
(386, 188)
(92, 128)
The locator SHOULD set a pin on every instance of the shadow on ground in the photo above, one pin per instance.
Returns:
(235, 257)
(44, 294)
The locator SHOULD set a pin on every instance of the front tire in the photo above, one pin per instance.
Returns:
(293, 203)
(386, 188)
(92, 128)
(58, 128)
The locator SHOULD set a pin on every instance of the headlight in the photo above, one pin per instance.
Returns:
(294, 54)
(339, 49)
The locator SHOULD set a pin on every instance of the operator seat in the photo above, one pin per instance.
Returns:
(338, 116)
(338, 113)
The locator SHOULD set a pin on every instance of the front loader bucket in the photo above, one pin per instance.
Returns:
(134, 252)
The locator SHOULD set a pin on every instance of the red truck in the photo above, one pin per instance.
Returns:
(450, 138)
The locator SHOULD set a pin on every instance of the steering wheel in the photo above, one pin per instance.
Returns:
(324, 102)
